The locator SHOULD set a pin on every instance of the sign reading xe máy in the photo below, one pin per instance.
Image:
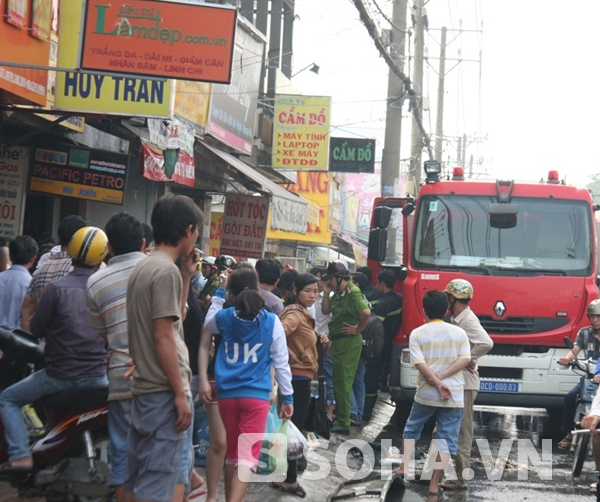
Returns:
(162, 39)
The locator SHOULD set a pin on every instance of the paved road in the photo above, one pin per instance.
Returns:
(498, 425)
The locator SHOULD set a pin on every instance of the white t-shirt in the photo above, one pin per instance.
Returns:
(439, 344)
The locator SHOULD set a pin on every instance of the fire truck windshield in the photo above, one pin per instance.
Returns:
(548, 237)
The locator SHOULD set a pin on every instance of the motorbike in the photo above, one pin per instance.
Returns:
(68, 431)
(580, 446)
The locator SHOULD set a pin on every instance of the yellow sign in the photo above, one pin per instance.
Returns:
(314, 187)
(216, 221)
(191, 102)
(100, 93)
(301, 132)
(76, 190)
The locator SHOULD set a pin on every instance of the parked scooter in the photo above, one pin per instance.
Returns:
(70, 444)
(587, 390)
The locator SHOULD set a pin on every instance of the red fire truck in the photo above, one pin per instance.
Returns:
(528, 249)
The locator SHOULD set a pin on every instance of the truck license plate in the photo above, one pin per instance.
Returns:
(491, 386)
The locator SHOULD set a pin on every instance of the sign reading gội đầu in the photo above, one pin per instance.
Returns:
(163, 39)
(77, 172)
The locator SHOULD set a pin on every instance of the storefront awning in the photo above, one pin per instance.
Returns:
(289, 211)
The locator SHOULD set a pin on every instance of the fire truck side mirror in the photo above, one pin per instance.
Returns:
(377, 244)
(381, 217)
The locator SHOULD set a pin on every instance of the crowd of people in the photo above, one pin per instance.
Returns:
(168, 331)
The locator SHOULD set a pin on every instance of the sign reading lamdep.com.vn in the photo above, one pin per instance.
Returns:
(77, 172)
(163, 39)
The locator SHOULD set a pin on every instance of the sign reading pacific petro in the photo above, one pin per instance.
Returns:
(161, 39)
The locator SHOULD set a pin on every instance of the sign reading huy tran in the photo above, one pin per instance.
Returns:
(163, 39)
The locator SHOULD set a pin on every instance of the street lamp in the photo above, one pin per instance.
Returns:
(314, 67)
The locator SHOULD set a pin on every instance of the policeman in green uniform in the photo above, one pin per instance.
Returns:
(210, 272)
(350, 314)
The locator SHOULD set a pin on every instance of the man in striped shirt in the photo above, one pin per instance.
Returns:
(59, 265)
(439, 351)
(107, 312)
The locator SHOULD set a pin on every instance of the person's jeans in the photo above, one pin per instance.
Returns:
(32, 388)
(570, 409)
(357, 396)
(328, 374)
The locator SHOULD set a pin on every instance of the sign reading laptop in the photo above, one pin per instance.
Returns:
(161, 39)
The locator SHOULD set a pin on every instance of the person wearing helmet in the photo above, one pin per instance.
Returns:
(211, 274)
(74, 354)
(460, 293)
(225, 262)
(587, 340)
(349, 315)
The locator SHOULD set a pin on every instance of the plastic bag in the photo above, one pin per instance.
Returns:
(201, 436)
(273, 422)
(296, 442)
(278, 450)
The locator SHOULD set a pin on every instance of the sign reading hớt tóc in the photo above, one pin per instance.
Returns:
(244, 228)
(162, 39)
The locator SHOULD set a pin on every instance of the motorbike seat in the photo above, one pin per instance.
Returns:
(83, 397)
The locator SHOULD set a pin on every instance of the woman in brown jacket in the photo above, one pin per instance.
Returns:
(299, 327)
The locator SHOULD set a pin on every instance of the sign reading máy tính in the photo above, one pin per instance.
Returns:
(301, 132)
(352, 155)
(163, 39)
(244, 228)
(77, 172)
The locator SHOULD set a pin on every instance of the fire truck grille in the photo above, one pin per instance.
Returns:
(521, 325)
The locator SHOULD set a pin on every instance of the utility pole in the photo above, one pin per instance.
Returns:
(439, 123)
(416, 145)
(390, 164)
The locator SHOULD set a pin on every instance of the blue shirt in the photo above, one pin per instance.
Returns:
(73, 350)
(13, 286)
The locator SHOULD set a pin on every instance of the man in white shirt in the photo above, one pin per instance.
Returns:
(459, 293)
(440, 351)
(322, 329)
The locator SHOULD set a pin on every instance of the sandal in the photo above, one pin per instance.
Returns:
(593, 488)
(294, 490)
(452, 485)
(565, 443)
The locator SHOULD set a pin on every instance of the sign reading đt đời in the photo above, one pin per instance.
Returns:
(161, 39)
(77, 172)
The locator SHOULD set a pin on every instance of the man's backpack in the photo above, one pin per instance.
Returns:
(373, 336)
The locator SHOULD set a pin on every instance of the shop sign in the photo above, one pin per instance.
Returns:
(352, 155)
(289, 215)
(233, 107)
(314, 187)
(160, 39)
(71, 171)
(96, 93)
(301, 132)
(216, 224)
(351, 208)
(244, 228)
(153, 166)
(13, 169)
(191, 103)
(24, 39)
